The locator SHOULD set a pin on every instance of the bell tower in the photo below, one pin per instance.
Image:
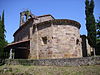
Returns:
(24, 16)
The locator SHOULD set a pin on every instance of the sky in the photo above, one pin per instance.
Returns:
(60, 9)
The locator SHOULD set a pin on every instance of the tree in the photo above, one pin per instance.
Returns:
(90, 23)
(2, 36)
(98, 30)
(98, 37)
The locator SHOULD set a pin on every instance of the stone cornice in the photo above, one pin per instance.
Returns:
(61, 22)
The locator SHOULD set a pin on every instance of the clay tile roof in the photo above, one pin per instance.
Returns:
(15, 43)
(61, 22)
(46, 15)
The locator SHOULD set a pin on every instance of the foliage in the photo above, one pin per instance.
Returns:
(98, 30)
(98, 37)
(90, 23)
(3, 42)
(27, 14)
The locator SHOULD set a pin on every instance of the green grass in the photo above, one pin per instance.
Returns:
(49, 70)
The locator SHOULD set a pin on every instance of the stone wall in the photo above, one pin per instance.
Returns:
(37, 47)
(66, 41)
(55, 40)
(89, 48)
(56, 62)
(24, 31)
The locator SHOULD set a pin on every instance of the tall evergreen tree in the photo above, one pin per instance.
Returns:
(98, 30)
(90, 23)
(2, 35)
(3, 26)
(98, 37)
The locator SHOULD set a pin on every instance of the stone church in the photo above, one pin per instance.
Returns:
(44, 37)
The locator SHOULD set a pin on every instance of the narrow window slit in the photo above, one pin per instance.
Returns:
(44, 39)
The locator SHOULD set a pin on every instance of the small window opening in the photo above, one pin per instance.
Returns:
(44, 39)
(77, 41)
(52, 37)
